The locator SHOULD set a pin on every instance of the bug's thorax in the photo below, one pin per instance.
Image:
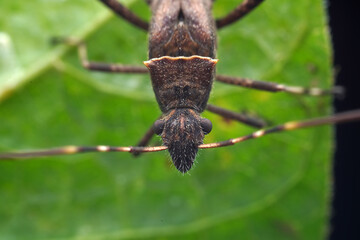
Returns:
(182, 82)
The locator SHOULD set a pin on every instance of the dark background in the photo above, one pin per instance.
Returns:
(344, 26)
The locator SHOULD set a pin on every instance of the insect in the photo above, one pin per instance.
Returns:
(182, 51)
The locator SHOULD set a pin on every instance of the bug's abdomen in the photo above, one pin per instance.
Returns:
(182, 28)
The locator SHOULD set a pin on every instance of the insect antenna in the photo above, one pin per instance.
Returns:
(349, 116)
(288, 126)
(68, 150)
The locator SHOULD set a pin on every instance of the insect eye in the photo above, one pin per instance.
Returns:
(206, 125)
(158, 126)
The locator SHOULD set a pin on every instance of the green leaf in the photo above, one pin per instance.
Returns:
(276, 187)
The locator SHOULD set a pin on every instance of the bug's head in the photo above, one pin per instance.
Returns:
(182, 131)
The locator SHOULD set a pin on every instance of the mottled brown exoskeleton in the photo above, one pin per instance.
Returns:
(182, 45)
(182, 51)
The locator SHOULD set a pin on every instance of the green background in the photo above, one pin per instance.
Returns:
(276, 187)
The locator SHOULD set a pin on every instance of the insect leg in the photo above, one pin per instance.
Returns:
(275, 87)
(243, 118)
(144, 141)
(98, 66)
(240, 11)
(126, 14)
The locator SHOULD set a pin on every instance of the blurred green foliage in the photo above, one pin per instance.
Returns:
(277, 187)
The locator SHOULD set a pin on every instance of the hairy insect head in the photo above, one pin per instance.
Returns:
(182, 131)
